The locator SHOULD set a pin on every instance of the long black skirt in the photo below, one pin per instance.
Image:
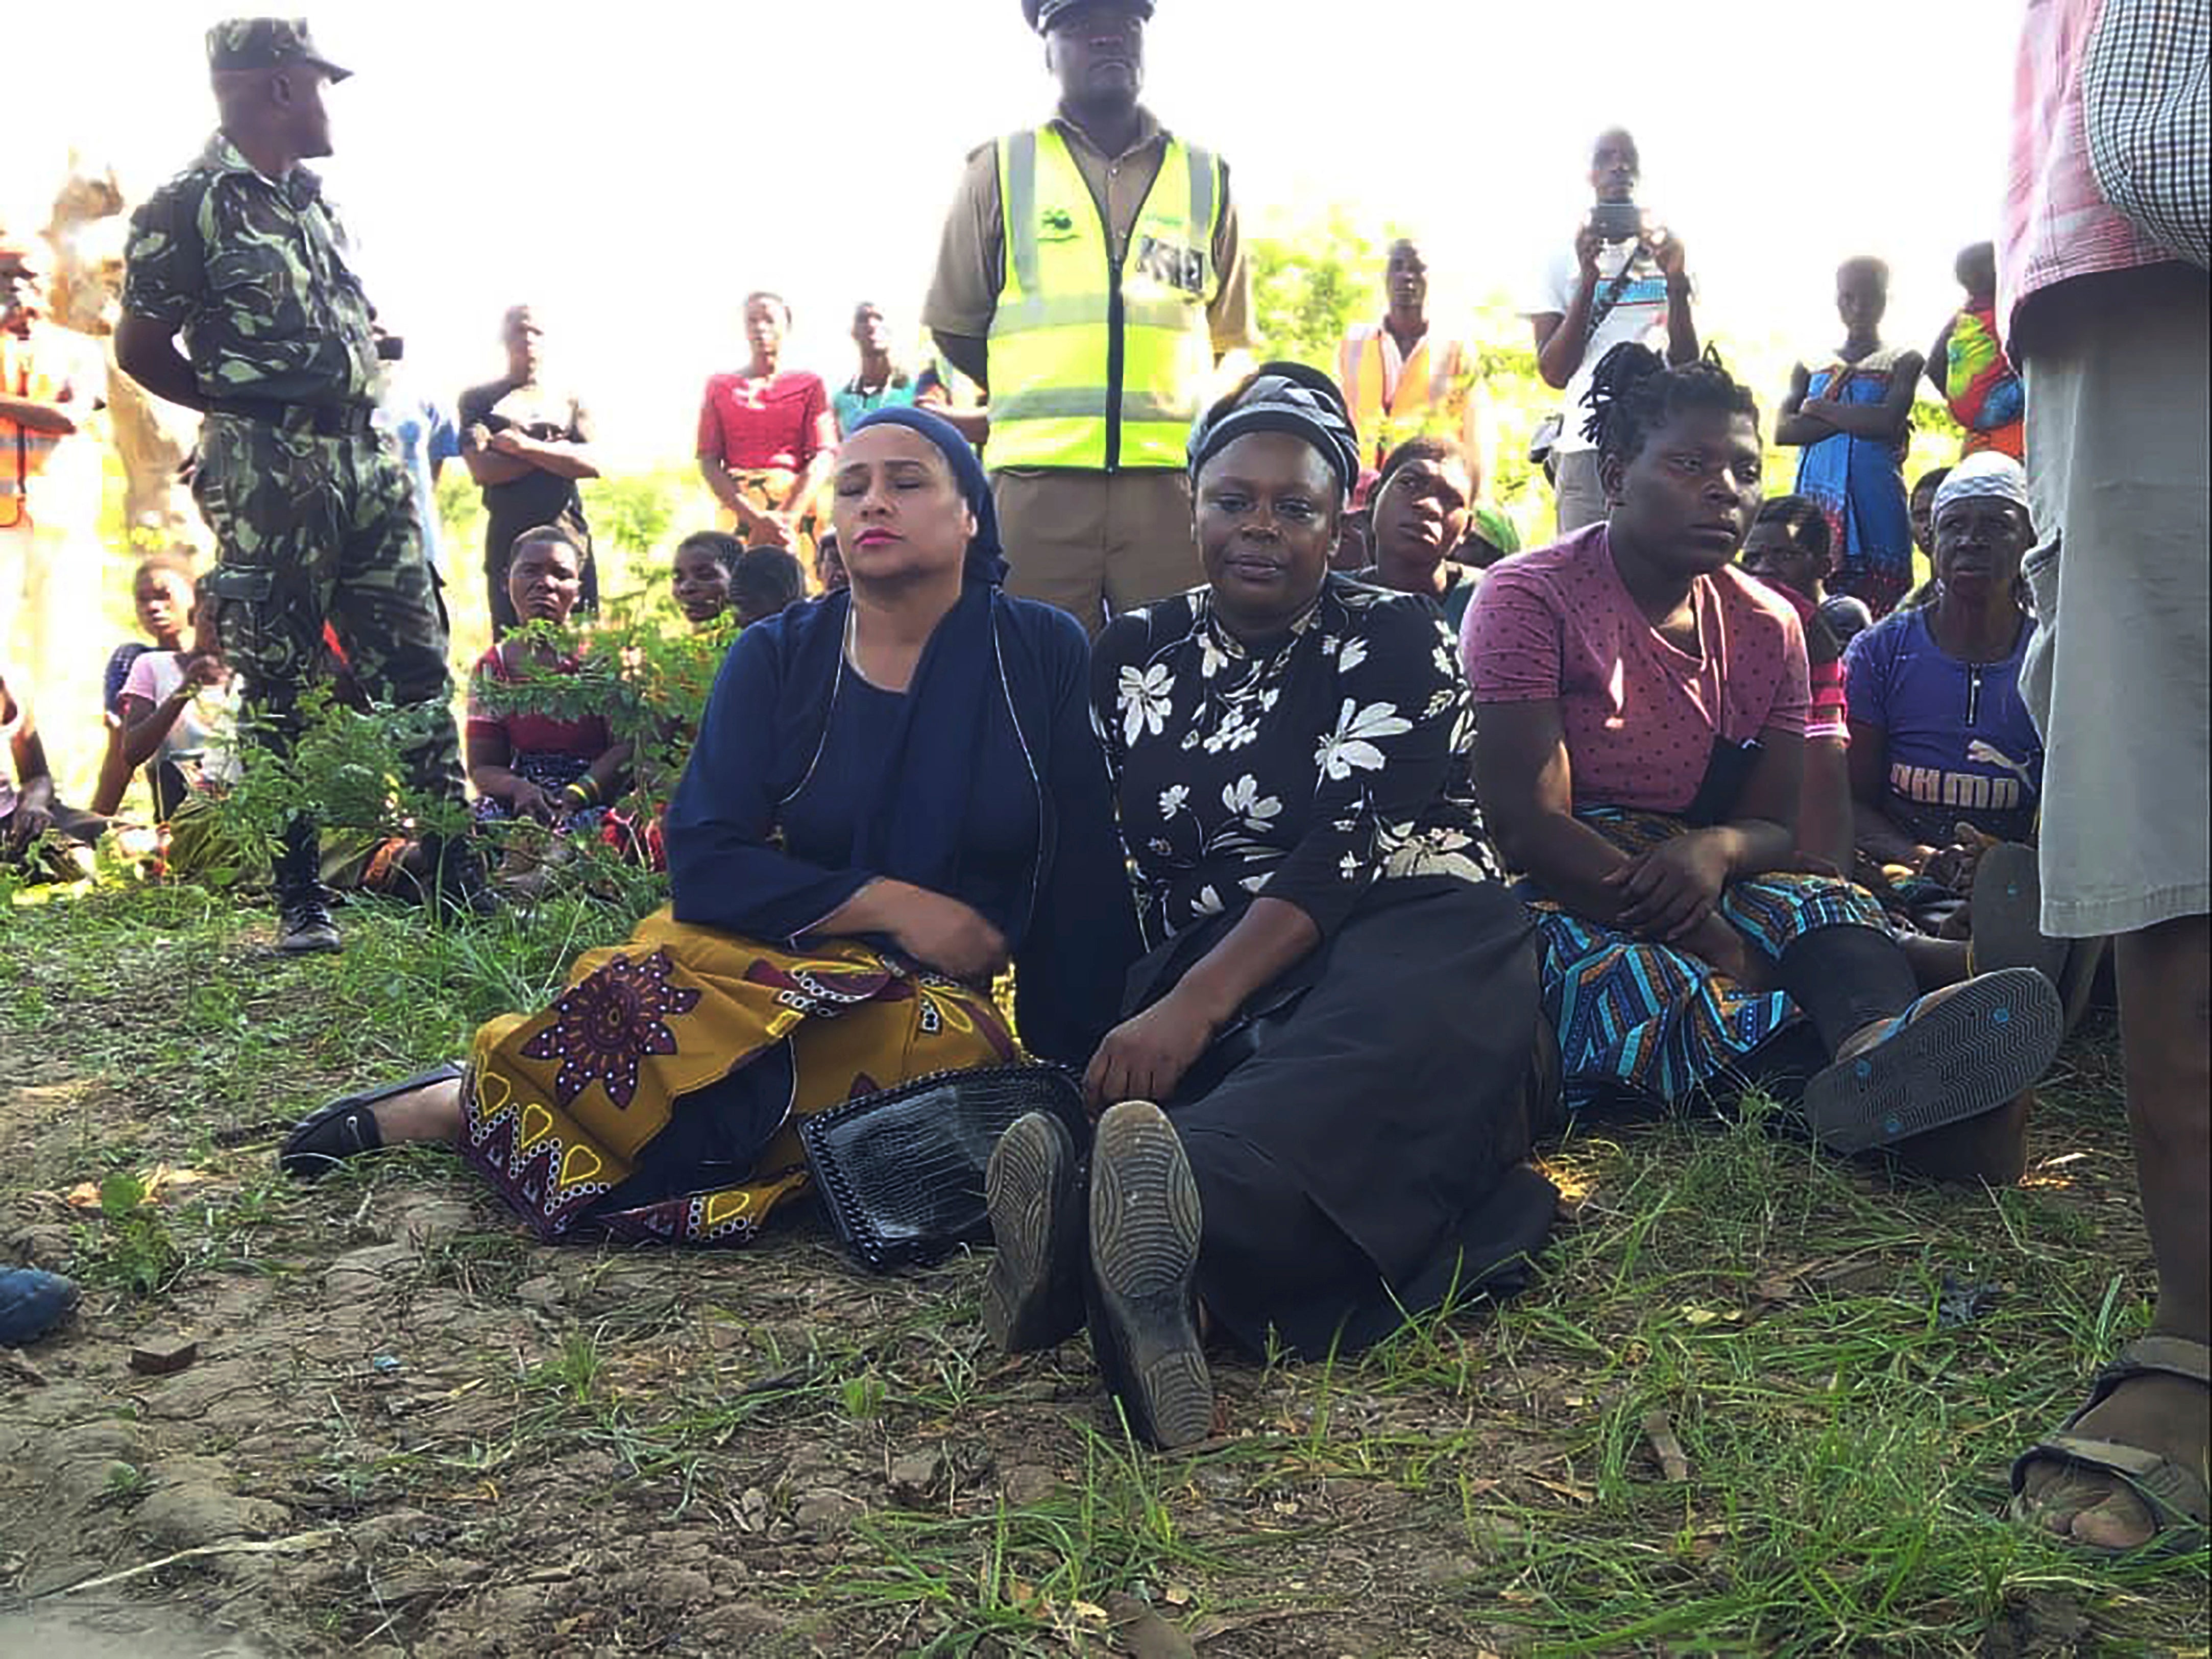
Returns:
(1363, 1154)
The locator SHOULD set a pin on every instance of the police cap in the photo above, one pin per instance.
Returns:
(1040, 13)
(256, 43)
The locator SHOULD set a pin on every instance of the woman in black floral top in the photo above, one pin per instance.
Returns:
(1338, 1011)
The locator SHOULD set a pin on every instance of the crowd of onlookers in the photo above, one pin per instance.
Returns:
(1933, 770)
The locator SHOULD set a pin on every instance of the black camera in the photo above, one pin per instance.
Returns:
(1617, 222)
(390, 347)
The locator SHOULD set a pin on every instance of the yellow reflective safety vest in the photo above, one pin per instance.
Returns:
(1095, 366)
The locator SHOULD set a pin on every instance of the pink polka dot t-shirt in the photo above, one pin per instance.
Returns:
(1639, 715)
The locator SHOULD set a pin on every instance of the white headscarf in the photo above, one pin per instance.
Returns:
(1985, 473)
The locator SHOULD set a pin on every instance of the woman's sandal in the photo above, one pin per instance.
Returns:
(2175, 1496)
(1953, 1055)
(346, 1128)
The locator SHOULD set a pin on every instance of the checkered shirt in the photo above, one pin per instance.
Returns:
(2109, 108)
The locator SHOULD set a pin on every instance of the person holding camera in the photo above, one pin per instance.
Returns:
(313, 513)
(1625, 279)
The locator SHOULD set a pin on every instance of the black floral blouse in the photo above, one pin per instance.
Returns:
(1338, 758)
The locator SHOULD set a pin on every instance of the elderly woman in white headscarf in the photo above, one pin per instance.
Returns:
(1946, 766)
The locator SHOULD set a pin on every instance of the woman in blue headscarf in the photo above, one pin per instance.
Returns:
(896, 794)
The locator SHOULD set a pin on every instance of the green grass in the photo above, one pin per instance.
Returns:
(1848, 1360)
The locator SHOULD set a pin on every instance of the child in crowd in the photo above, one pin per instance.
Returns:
(176, 718)
(764, 582)
(560, 772)
(161, 593)
(1418, 514)
(699, 575)
(1968, 367)
(1791, 549)
(829, 564)
(1920, 508)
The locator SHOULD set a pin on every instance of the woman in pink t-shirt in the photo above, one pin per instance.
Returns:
(1641, 715)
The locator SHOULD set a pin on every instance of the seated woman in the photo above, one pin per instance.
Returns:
(1946, 766)
(27, 807)
(1338, 1007)
(699, 575)
(561, 772)
(896, 793)
(1641, 711)
(1788, 549)
(1423, 503)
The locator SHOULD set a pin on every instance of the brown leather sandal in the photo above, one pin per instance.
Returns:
(2175, 1495)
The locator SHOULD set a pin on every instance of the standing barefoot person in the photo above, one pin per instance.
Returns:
(2108, 231)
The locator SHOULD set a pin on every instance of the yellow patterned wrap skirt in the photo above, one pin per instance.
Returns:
(595, 1111)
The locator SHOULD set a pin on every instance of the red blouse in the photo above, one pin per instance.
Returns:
(779, 424)
(529, 733)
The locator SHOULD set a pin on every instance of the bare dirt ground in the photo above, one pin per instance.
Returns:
(447, 1440)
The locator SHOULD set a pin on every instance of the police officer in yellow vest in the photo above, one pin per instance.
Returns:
(1090, 276)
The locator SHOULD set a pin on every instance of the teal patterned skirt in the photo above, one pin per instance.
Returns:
(1657, 1024)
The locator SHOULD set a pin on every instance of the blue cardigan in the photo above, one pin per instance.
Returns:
(999, 702)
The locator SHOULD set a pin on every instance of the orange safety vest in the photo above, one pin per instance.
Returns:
(23, 453)
(1429, 396)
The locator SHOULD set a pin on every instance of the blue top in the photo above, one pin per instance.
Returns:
(983, 781)
(1960, 744)
(427, 436)
(848, 403)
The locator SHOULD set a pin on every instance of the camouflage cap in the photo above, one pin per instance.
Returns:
(1040, 13)
(253, 43)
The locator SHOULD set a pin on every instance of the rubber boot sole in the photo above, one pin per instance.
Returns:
(1033, 1295)
(1145, 1224)
(1977, 1049)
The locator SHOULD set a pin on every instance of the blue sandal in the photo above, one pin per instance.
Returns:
(1953, 1055)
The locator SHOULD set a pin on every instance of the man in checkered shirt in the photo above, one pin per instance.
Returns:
(2104, 294)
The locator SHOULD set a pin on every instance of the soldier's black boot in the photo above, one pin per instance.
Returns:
(303, 903)
(458, 888)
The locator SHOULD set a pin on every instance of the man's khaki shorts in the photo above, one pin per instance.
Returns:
(2117, 676)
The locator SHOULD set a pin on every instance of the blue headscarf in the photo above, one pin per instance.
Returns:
(987, 558)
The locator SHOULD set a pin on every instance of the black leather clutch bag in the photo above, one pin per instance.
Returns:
(902, 1172)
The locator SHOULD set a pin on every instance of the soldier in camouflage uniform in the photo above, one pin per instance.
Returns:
(309, 501)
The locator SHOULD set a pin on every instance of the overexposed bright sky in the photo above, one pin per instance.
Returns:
(633, 169)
